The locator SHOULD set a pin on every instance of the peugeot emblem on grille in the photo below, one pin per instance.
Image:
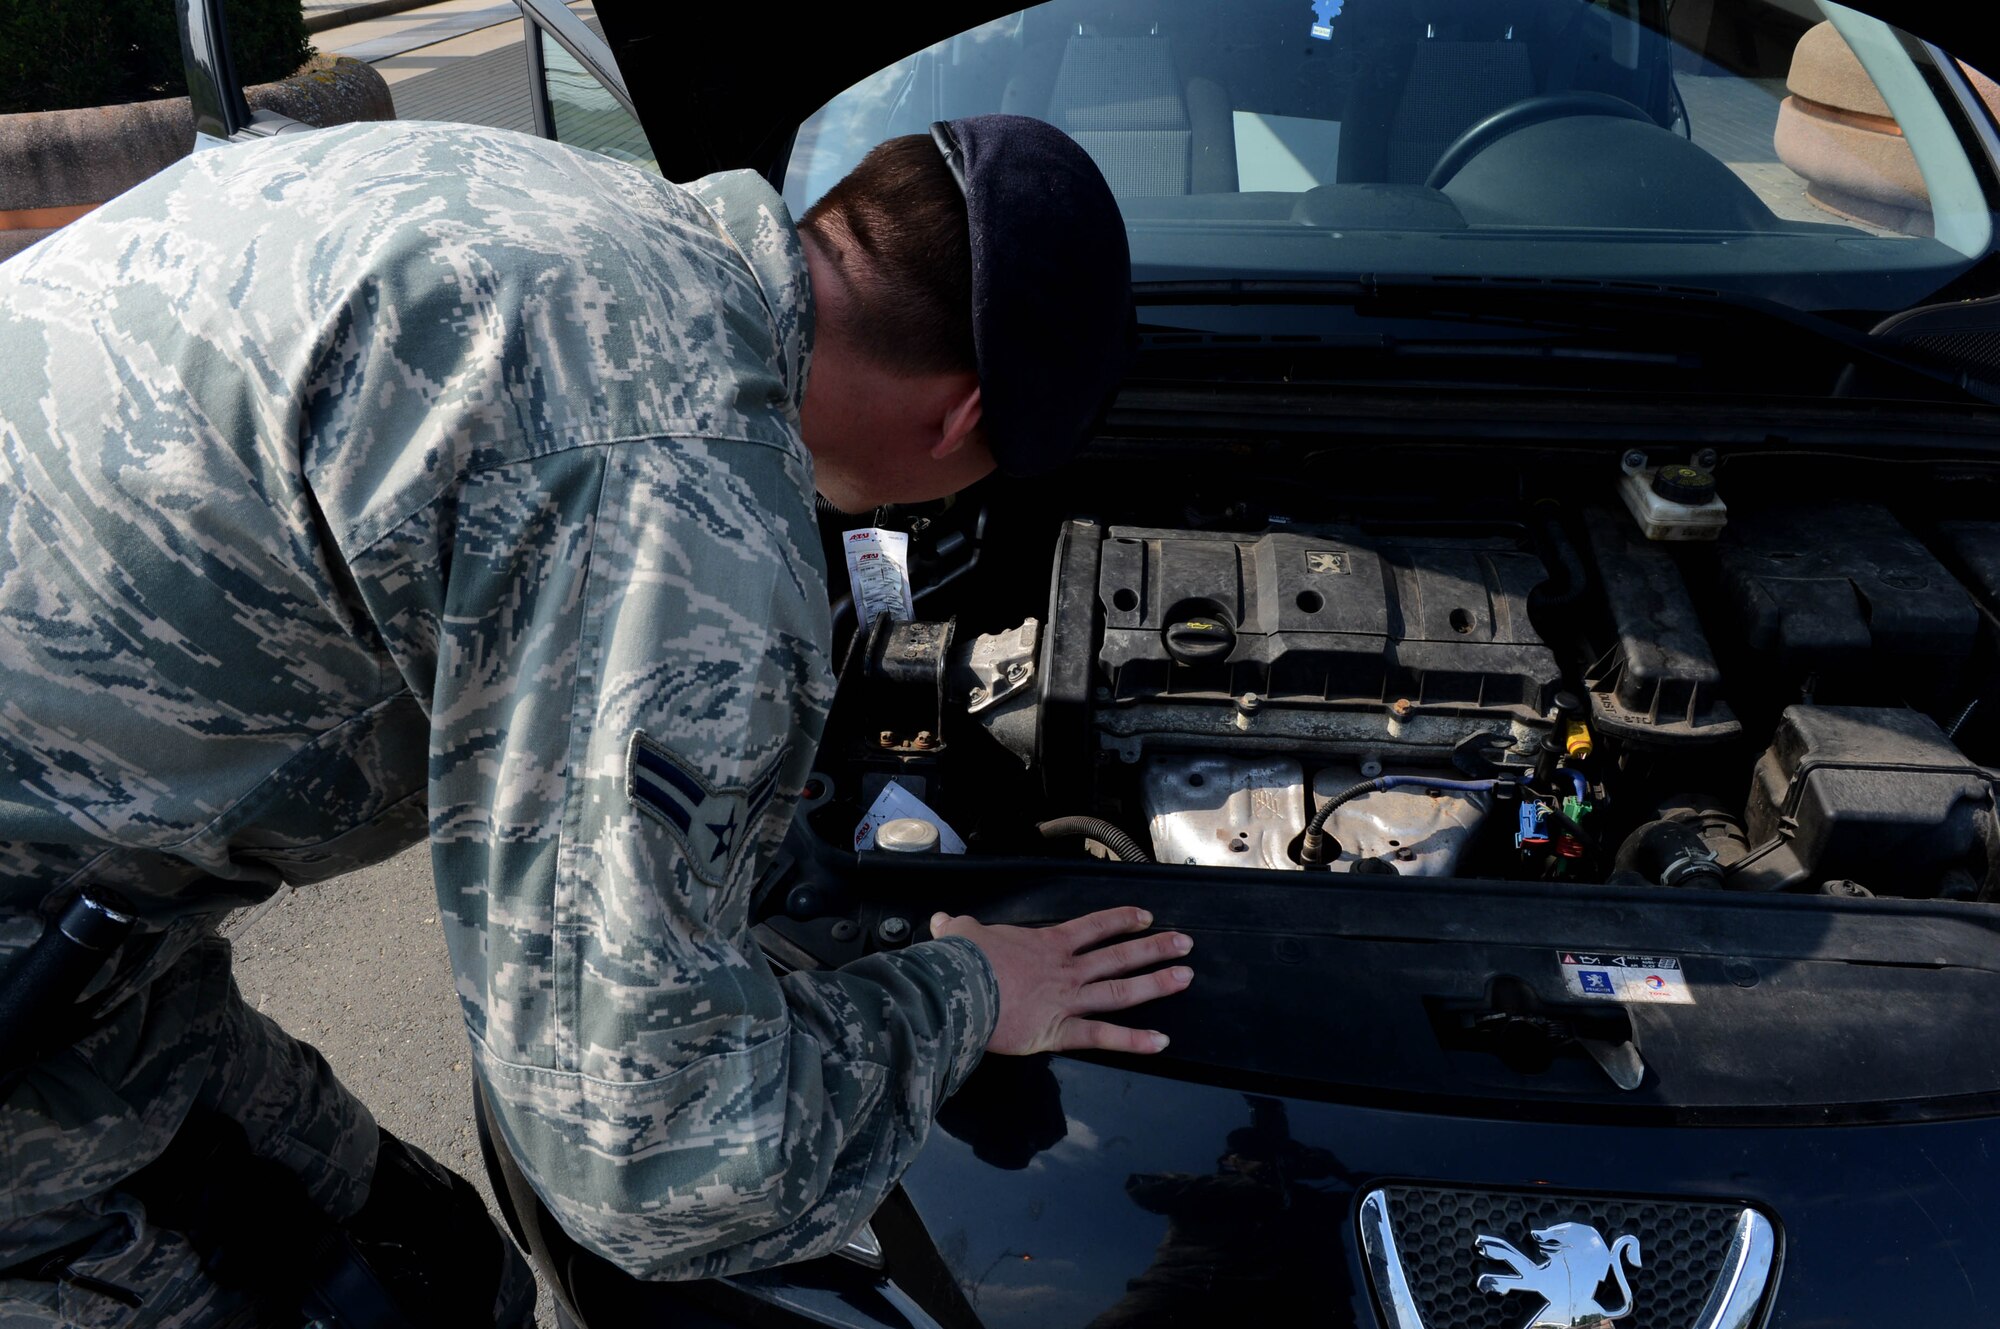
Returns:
(1445, 1257)
(1575, 1264)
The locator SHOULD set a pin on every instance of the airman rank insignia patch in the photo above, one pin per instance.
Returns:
(712, 825)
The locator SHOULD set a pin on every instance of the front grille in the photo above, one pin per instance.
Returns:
(1681, 1245)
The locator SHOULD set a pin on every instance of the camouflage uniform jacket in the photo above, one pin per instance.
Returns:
(400, 479)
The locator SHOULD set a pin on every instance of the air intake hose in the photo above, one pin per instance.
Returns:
(1670, 853)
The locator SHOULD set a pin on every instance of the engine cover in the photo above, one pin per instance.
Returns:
(1327, 638)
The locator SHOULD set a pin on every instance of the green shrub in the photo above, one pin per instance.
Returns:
(56, 54)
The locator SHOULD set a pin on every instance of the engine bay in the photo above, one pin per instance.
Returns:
(1653, 667)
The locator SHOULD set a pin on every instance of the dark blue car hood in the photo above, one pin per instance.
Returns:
(1167, 1202)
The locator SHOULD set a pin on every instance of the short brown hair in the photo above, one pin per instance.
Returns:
(895, 229)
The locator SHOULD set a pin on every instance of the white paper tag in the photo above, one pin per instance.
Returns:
(878, 568)
(895, 801)
(1636, 978)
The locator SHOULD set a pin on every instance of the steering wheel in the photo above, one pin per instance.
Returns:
(1481, 134)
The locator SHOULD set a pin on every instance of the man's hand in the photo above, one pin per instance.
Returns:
(1046, 987)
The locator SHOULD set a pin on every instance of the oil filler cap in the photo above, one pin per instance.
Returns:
(1200, 641)
(1684, 484)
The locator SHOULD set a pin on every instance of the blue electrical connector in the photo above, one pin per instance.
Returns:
(1534, 826)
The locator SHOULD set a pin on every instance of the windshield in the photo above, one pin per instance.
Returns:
(1796, 151)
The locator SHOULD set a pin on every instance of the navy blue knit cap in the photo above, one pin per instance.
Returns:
(1052, 320)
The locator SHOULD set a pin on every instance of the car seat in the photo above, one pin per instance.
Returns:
(1117, 91)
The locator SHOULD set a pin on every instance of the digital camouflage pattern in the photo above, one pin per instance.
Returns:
(394, 479)
(293, 1111)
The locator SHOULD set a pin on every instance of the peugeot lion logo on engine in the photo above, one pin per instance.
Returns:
(1575, 1264)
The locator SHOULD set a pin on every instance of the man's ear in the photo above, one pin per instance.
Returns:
(961, 418)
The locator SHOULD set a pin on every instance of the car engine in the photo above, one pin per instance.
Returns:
(1624, 681)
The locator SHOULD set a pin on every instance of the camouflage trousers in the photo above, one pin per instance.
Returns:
(294, 1111)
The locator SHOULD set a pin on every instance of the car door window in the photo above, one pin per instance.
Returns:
(584, 112)
(580, 95)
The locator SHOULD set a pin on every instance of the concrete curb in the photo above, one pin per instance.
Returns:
(328, 90)
(340, 18)
(67, 162)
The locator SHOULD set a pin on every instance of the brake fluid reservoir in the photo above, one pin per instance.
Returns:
(1672, 502)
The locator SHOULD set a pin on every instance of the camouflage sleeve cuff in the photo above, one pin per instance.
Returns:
(958, 964)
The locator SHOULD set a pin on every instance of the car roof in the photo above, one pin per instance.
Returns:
(719, 86)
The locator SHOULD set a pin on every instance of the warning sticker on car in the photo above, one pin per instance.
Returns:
(1634, 978)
